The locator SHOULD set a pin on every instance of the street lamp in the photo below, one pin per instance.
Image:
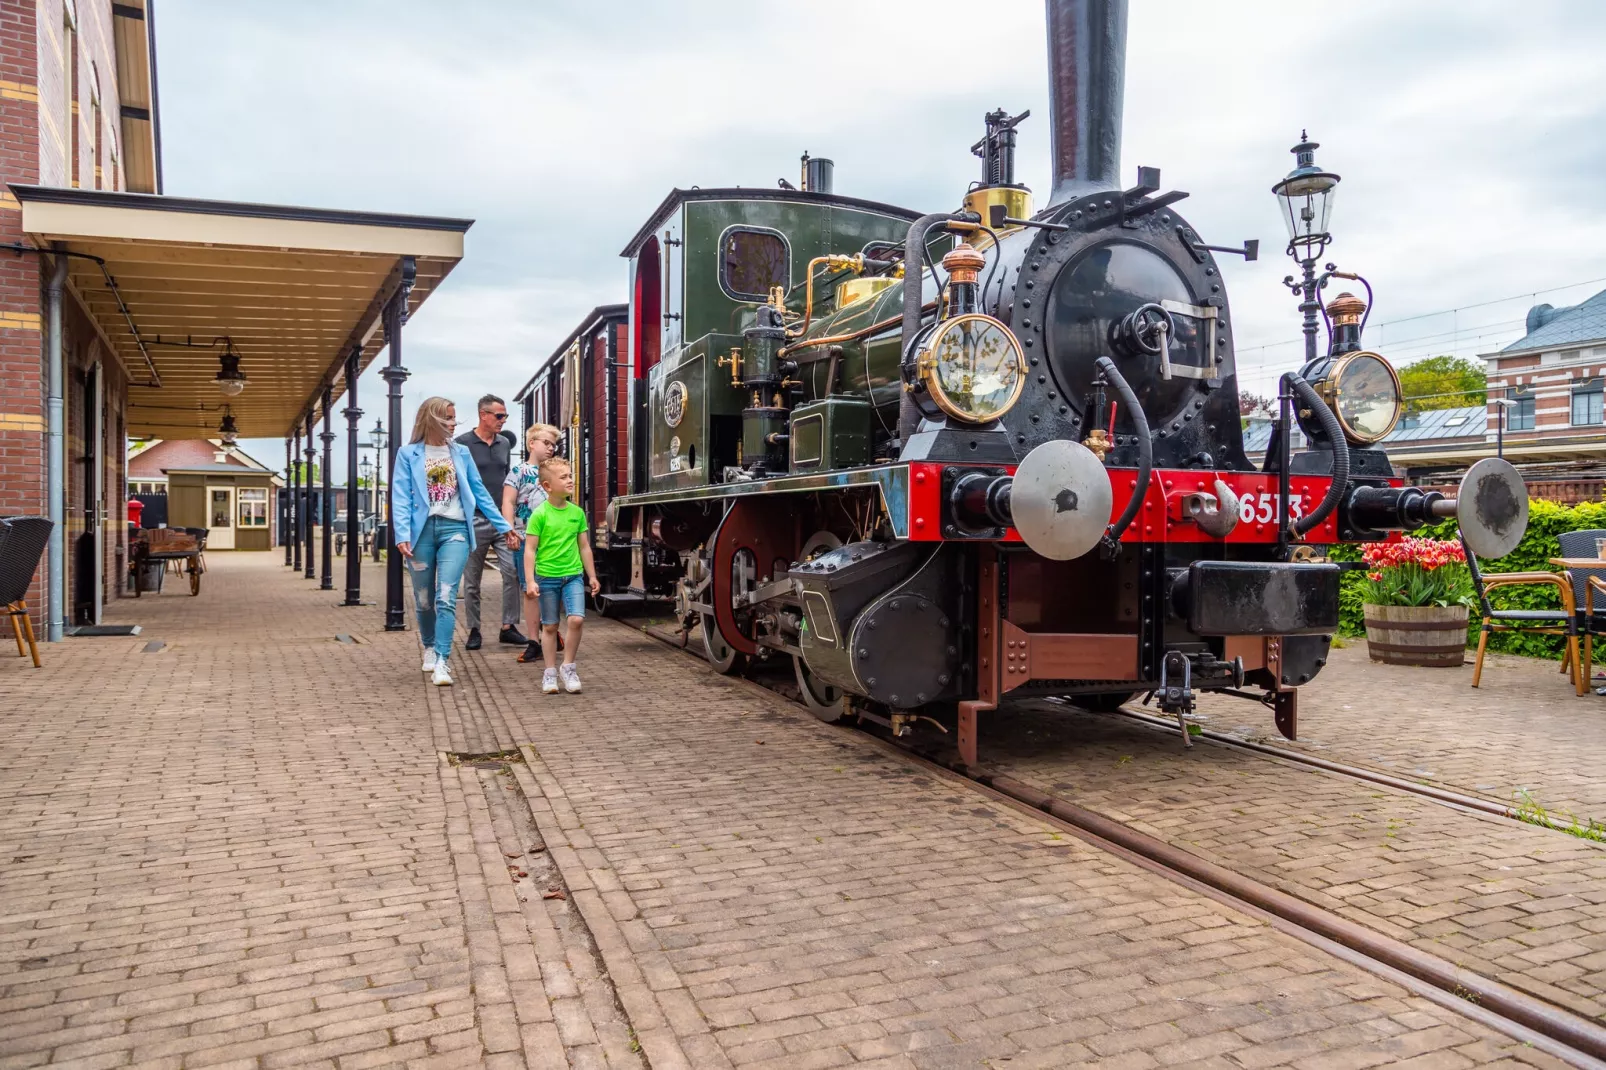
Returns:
(1306, 199)
(1501, 405)
(378, 438)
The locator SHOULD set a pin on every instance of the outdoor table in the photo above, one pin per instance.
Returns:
(1582, 612)
(1570, 563)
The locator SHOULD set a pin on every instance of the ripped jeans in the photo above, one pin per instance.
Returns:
(436, 566)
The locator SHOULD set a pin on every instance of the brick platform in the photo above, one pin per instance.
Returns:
(1524, 729)
(248, 847)
(1512, 901)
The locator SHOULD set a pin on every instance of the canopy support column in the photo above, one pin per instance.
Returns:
(287, 500)
(353, 539)
(298, 507)
(311, 454)
(327, 513)
(394, 375)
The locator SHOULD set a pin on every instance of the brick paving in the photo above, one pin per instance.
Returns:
(249, 848)
(1523, 730)
(246, 849)
(1512, 901)
(791, 896)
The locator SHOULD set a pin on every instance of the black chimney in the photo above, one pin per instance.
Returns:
(1086, 78)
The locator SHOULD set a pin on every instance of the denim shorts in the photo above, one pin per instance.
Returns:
(567, 593)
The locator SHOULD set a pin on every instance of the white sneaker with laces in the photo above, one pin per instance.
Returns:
(430, 658)
(549, 681)
(443, 675)
(571, 678)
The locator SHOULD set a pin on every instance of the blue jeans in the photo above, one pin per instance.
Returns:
(518, 560)
(439, 554)
(565, 594)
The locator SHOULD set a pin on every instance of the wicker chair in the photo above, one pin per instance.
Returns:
(1563, 621)
(1589, 589)
(22, 543)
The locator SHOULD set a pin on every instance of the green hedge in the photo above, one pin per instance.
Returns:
(1546, 520)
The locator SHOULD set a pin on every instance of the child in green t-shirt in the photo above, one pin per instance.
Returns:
(554, 554)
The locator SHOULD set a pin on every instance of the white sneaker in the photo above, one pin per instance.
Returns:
(443, 675)
(549, 681)
(430, 658)
(571, 678)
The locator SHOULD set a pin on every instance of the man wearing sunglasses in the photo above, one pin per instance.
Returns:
(492, 449)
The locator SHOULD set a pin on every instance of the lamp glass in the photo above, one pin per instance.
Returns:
(973, 368)
(230, 387)
(1306, 201)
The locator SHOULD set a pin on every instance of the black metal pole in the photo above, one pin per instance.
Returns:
(1500, 429)
(327, 513)
(286, 499)
(297, 506)
(1310, 306)
(394, 375)
(311, 454)
(353, 541)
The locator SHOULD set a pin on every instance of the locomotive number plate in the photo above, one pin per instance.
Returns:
(1262, 508)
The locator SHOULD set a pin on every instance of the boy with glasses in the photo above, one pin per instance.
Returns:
(492, 450)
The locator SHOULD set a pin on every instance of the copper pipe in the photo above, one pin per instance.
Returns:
(851, 336)
(844, 263)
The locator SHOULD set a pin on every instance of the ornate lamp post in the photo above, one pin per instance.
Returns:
(1306, 199)
(378, 438)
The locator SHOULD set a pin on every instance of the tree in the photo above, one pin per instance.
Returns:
(1444, 382)
(1256, 404)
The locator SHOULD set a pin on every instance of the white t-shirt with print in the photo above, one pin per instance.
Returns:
(440, 483)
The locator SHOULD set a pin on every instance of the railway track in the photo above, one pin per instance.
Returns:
(1560, 1032)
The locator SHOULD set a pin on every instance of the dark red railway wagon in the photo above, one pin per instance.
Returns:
(583, 389)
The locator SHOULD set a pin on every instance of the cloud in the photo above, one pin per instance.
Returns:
(1467, 135)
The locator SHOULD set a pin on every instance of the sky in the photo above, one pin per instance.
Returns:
(1468, 136)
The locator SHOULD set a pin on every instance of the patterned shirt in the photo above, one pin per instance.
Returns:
(526, 483)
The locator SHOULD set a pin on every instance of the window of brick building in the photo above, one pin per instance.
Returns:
(1520, 416)
(1587, 403)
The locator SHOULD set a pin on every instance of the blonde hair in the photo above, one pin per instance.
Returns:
(535, 431)
(551, 465)
(432, 414)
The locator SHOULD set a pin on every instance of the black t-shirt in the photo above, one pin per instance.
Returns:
(493, 461)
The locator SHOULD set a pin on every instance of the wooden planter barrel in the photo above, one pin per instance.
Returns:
(1417, 635)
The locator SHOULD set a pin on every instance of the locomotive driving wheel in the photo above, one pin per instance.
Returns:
(823, 700)
(721, 655)
(724, 657)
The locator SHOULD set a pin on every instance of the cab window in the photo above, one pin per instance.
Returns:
(752, 261)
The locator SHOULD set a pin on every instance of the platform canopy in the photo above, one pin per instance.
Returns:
(293, 290)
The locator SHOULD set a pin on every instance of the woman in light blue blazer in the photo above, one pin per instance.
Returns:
(437, 487)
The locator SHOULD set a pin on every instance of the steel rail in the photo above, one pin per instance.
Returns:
(1496, 1004)
(1447, 796)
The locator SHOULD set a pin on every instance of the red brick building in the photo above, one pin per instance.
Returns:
(1553, 381)
(77, 104)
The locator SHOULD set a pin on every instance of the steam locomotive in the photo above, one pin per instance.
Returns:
(934, 459)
